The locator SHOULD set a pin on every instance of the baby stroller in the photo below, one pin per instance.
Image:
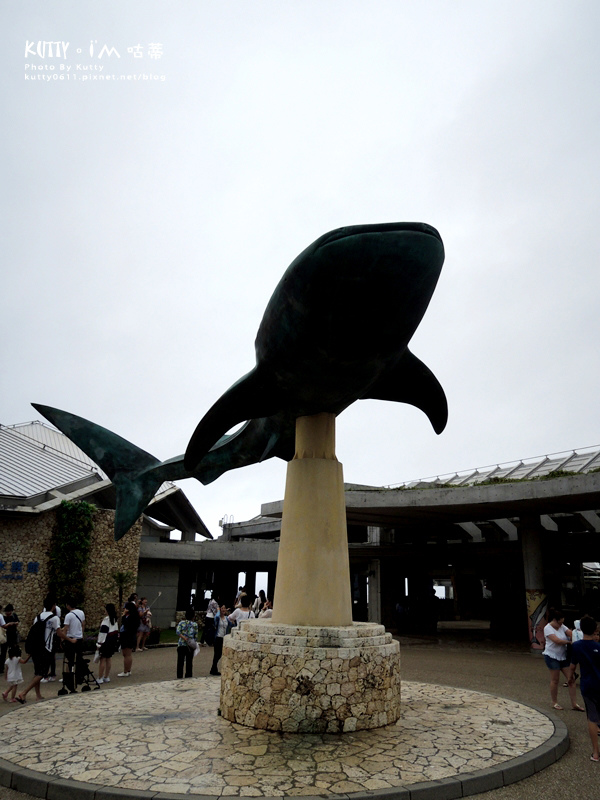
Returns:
(79, 674)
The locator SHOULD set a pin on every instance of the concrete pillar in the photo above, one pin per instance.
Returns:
(530, 531)
(374, 607)
(313, 568)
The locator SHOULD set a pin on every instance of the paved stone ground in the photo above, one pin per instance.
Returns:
(175, 742)
(454, 661)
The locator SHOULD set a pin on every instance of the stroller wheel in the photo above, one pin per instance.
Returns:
(62, 692)
(86, 688)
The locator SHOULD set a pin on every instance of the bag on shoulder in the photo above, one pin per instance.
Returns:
(36, 638)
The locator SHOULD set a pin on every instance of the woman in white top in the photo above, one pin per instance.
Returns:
(558, 636)
(243, 612)
(267, 611)
(108, 642)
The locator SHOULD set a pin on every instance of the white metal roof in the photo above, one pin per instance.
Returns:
(571, 461)
(35, 458)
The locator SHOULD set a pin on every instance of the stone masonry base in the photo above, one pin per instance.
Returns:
(310, 680)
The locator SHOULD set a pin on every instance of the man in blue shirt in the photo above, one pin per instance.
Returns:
(586, 653)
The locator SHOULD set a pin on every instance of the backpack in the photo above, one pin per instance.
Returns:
(36, 638)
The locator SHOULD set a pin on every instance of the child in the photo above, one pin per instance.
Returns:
(12, 671)
(586, 653)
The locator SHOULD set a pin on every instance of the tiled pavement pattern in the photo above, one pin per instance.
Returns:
(167, 737)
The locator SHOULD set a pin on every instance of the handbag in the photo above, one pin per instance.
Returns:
(2, 635)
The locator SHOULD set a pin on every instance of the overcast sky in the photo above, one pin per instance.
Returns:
(146, 222)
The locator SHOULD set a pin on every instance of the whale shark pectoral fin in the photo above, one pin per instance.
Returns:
(134, 472)
(279, 437)
(252, 397)
(269, 448)
(410, 381)
(256, 441)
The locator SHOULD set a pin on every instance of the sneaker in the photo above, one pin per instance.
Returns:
(107, 680)
(100, 680)
(44, 680)
(123, 674)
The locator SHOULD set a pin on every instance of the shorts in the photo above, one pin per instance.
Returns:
(109, 646)
(128, 640)
(592, 707)
(41, 663)
(554, 663)
(107, 650)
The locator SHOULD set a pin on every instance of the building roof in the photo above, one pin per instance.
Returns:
(40, 466)
(562, 489)
(36, 458)
(585, 459)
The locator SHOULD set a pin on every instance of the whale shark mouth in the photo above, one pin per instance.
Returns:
(384, 227)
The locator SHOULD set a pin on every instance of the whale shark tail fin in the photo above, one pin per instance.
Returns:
(252, 397)
(413, 383)
(134, 493)
(132, 470)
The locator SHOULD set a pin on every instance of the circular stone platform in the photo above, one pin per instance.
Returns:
(165, 739)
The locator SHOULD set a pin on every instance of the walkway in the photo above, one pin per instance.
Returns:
(456, 660)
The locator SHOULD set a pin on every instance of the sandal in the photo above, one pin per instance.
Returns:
(577, 707)
(557, 707)
(5, 696)
(593, 758)
(19, 699)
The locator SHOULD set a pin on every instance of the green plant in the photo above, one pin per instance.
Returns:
(119, 582)
(70, 549)
(168, 636)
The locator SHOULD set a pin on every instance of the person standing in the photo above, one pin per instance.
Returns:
(259, 602)
(51, 676)
(267, 611)
(41, 658)
(13, 672)
(73, 639)
(222, 628)
(128, 635)
(144, 627)
(108, 642)
(208, 632)
(4, 644)
(586, 653)
(10, 627)
(242, 612)
(558, 636)
(187, 630)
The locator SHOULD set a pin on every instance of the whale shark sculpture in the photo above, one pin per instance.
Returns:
(335, 330)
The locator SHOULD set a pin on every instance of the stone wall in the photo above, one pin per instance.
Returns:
(107, 556)
(24, 541)
(24, 546)
(310, 679)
